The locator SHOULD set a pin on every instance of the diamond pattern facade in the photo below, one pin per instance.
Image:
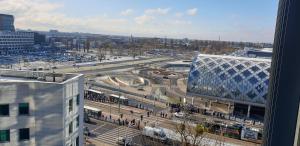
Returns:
(237, 78)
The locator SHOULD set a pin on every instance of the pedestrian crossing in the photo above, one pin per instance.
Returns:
(111, 136)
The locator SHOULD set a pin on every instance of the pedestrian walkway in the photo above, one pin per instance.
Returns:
(111, 136)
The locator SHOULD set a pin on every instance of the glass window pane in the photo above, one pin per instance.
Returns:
(24, 134)
(4, 110)
(4, 136)
(77, 121)
(77, 99)
(71, 128)
(254, 68)
(70, 105)
(246, 73)
(23, 108)
(231, 72)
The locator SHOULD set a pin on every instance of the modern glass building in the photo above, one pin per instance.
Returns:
(7, 22)
(239, 80)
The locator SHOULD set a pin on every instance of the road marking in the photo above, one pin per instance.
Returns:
(111, 136)
(99, 127)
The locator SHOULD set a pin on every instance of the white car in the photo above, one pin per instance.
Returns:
(179, 114)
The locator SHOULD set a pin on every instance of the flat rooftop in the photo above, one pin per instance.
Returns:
(34, 76)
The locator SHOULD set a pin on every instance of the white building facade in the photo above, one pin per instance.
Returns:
(41, 109)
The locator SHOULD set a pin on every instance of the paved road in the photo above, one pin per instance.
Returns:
(106, 108)
(106, 67)
(108, 133)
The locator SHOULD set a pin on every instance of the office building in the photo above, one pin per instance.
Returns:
(282, 122)
(16, 42)
(7, 22)
(241, 81)
(39, 38)
(12, 42)
(41, 109)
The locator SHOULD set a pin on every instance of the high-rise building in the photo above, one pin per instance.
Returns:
(41, 109)
(282, 122)
(7, 22)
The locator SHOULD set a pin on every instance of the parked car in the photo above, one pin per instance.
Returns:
(156, 133)
(86, 131)
(124, 141)
(179, 114)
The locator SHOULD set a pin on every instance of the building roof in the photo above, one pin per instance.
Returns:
(236, 57)
(240, 79)
(34, 76)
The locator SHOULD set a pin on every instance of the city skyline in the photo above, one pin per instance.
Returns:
(231, 20)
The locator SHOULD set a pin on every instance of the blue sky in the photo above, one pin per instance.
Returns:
(236, 20)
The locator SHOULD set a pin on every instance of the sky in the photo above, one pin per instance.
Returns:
(232, 20)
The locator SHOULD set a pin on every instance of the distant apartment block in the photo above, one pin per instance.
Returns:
(11, 41)
(41, 109)
(15, 42)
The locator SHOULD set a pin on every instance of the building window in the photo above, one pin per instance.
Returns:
(77, 141)
(78, 99)
(4, 136)
(24, 134)
(77, 121)
(71, 128)
(4, 110)
(23, 108)
(70, 105)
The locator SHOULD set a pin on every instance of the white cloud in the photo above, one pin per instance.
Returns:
(192, 12)
(182, 22)
(143, 19)
(43, 15)
(178, 14)
(159, 11)
(127, 12)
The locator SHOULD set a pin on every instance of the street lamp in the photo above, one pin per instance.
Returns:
(119, 113)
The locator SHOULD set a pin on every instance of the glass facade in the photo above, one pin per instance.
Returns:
(236, 78)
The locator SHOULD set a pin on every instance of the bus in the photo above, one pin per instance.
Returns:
(115, 99)
(92, 112)
(94, 95)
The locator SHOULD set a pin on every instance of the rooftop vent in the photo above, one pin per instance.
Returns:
(55, 77)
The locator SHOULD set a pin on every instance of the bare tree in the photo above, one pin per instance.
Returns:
(196, 134)
(100, 54)
(181, 128)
